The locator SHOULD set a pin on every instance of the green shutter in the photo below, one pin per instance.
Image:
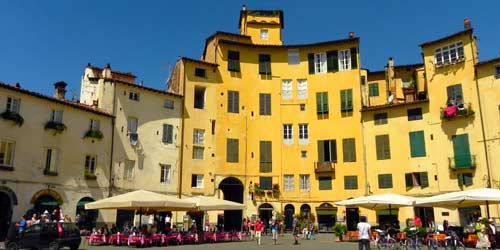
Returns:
(354, 58)
(332, 61)
(264, 64)
(409, 180)
(417, 144)
(346, 100)
(265, 156)
(322, 103)
(467, 179)
(325, 183)
(232, 150)
(310, 59)
(461, 151)
(321, 151)
(264, 104)
(385, 181)
(373, 89)
(424, 179)
(350, 182)
(383, 147)
(233, 61)
(349, 150)
(333, 150)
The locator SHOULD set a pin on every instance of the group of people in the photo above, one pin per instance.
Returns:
(255, 228)
(486, 233)
(45, 217)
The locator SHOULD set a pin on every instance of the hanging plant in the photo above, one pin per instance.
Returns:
(13, 116)
(97, 134)
(58, 127)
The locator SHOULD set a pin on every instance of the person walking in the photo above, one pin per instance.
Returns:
(258, 230)
(295, 232)
(364, 234)
(491, 231)
(274, 231)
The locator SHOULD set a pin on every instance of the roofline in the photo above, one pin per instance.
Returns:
(384, 106)
(447, 37)
(76, 105)
(280, 12)
(114, 71)
(355, 39)
(143, 87)
(415, 65)
(493, 60)
(220, 33)
(199, 62)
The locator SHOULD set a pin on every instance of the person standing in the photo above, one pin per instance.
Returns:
(258, 230)
(21, 226)
(491, 231)
(364, 234)
(274, 231)
(167, 222)
(295, 232)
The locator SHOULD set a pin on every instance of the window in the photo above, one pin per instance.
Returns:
(373, 89)
(197, 181)
(449, 54)
(264, 64)
(264, 34)
(464, 179)
(94, 125)
(320, 63)
(287, 134)
(327, 151)
(134, 96)
(198, 136)
(414, 114)
(13, 104)
(168, 132)
(380, 118)
(349, 149)
(417, 144)
(303, 133)
(302, 89)
(322, 103)
(7, 153)
(132, 125)
(384, 181)
(418, 179)
(56, 116)
(266, 183)
(200, 72)
(293, 57)
(165, 173)
(90, 164)
(233, 101)
(168, 104)
(233, 63)
(232, 150)
(350, 182)
(303, 107)
(345, 59)
(497, 71)
(303, 154)
(325, 182)
(346, 100)
(128, 171)
(362, 80)
(198, 152)
(304, 182)
(383, 147)
(455, 96)
(286, 89)
(288, 183)
(199, 97)
(264, 104)
(265, 156)
(407, 82)
(51, 160)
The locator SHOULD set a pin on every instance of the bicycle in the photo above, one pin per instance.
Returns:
(412, 242)
(384, 241)
(435, 240)
(453, 242)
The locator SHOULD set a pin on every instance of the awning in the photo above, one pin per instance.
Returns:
(326, 212)
(387, 212)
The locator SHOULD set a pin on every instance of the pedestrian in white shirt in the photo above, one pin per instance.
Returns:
(364, 230)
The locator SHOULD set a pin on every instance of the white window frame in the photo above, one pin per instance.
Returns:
(165, 173)
(301, 89)
(7, 150)
(132, 125)
(286, 89)
(56, 116)
(51, 159)
(344, 59)
(293, 57)
(198, 152)
(198, 136)
(13, 104)
(448, 54)
(199, 181)
(91, 163)
(303, 133)
(128, 170)
(287, 134)
(134, 96)
(95, 125)
(288, 181)
(264, 34)
(305, 182)
(320, 63)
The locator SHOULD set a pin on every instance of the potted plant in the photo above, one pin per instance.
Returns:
(13, 116)
(97, 134)
(339, 229)
(58, 127)
(257, 189)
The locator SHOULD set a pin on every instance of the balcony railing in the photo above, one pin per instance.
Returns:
(324, 167)
(456, 111)
(462, 161)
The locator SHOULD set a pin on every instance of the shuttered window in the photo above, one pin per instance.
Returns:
(380, 118)
(383, 147)
(232, 150)
(350, 182)
(417, 144)
(168, 131)
(264, 104)
(354, 58)
(325, 182)
(286, 89)
(327, 151)
(349, 149)
(345, 59)
(266, 183)
(302, 89)
(322, 103)
(417, 179)
(465, 179)
(332, 61)
(385, 181)
(233, 63)
(373, 89)
(264, 64)
(414, 114)
(346, 100)
(265, 156)
(233, 101)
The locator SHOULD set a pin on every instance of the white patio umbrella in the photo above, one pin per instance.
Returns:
(380, 201)
(473, 197)
(209, 203)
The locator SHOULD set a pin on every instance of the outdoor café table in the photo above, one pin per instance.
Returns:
(95, 237)
(117, 239)
(190, 238)
(173, 236)
(158, 239)
(209, 237)
(222, 236)
(138, 240)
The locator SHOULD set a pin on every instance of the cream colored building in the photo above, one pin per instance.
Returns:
(53, 152)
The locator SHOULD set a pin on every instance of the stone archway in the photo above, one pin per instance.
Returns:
(46, 200)
(266, 213)
(232, 188)
(86, 218)
(305, 211)
(289, 212)
(8, 200)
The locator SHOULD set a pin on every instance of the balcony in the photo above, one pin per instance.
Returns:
(134, 138)
(456, 111)
(462, 162)
(324, 167)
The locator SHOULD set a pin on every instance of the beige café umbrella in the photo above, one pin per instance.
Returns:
(209, 203)
(380, 201)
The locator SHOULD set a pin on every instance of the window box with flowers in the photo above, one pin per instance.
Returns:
(276, 189)
(97, 134)
(258, 190)
(13, 116)
(89, 175)
(58, 127)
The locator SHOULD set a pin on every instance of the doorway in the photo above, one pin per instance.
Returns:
(265, 214)
(5, 214)
(352, 218)
(327, 214)
(289, 212)
(232, 188)
(85, 219)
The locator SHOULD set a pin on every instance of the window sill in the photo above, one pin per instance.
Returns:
(50, 173)
(6, 168)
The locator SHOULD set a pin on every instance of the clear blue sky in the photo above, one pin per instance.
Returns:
(43, 42)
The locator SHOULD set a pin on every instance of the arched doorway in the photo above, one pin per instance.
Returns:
(232, 188)
(326, 213)
(86, 218)
(266, 213)
(46, 200)
(305, 211)
(7, 200)
(289, 212)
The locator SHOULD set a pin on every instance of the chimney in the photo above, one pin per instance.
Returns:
(467, 25)
(244, 7)
(391, 83)
(351, 35)
(17, 85)
(60, 90)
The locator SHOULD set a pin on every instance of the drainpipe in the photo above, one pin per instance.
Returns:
(181, 165)
(113, 123)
